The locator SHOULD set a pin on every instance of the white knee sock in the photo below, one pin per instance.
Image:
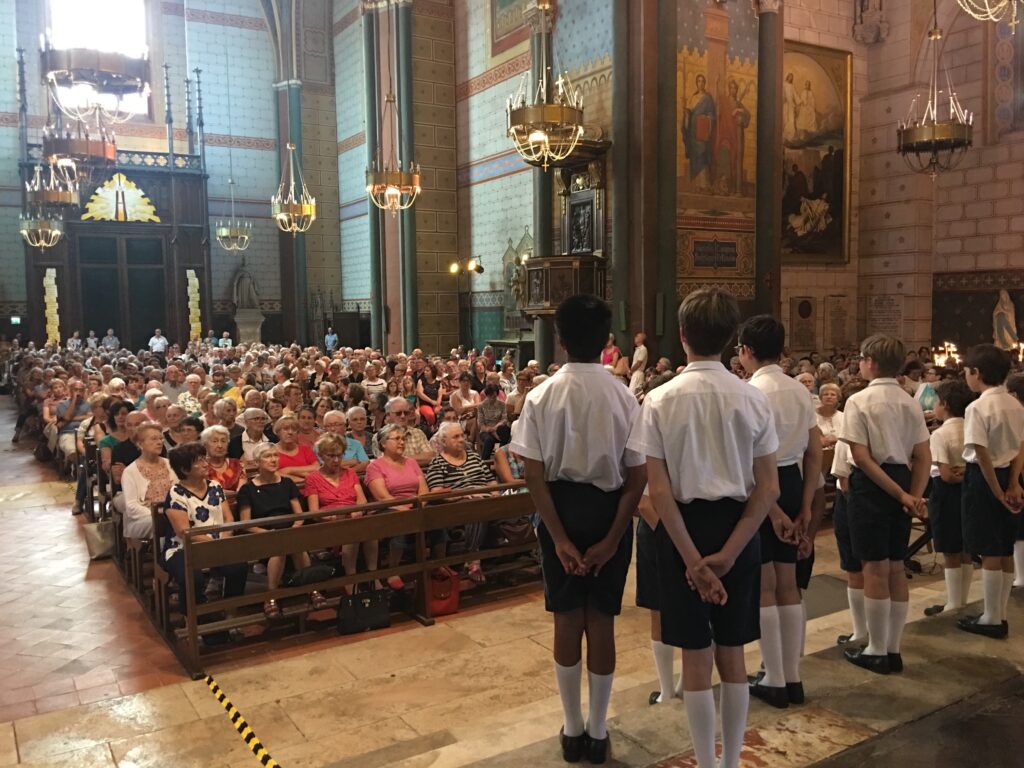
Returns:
(803, 627)
(992, 586)
(954, 588)
(877, 614)
(860, 625)
(791, 624)
(1007, 587)
(1018, 564)
(663, 666)
(700, 715)
(569, 680)
(771, 647)
(966, 577)
(897, 620)
(735, 702)
(600, 694)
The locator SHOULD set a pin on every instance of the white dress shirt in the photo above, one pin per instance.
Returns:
(792, 410)
(887, 420)
(830, 426)
(842, 461)
(249, 445)
(577, 423)
(708, 426)
(947, 444)
(995, 421)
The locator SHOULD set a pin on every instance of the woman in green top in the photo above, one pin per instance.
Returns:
(117, 432)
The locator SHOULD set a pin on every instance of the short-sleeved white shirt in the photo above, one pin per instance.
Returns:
(792, 409)
(577, 423)
(886, 419)
(842, 461)
(996, 421)
(947, 444)
(708, 426)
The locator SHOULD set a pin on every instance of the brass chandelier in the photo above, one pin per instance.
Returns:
(991, 10)
(233, 234)
(544, 127)
(293, 208)
(929, 143)
(390, 184)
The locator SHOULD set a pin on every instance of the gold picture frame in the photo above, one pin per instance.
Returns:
(817, 94)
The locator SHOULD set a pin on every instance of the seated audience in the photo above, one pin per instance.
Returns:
(241, 446)
(308, 432)
(492, 422)
(296, 460)
(145, 481)
(225, 471)
(336, 423)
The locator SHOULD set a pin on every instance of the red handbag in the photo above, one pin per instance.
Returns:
(444, 593)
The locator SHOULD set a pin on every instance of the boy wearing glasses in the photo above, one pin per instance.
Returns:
(586, 485)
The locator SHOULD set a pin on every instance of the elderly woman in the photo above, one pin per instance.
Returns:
(189, 399)
(226, 412)
(208, 417)
(269, 494)
(453, 468)
(393, 476)
(148, 401)
(174, 416)
(225, 471)
(355, 456)
(241, 446)
(296, 460)
(357, 427)
(492, 421)
(196, 502)
(465, 401)
(335, 486)
(185, 431)
(145, 481)
(829, 417)
(308, 432)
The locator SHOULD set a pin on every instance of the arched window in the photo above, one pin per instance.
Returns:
(115, 26)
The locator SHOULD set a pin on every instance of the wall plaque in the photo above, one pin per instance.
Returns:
(885, 314)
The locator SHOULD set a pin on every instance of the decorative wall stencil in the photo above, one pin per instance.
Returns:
(816, 93)
(119, 199)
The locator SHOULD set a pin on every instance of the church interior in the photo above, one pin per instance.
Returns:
(246, 218)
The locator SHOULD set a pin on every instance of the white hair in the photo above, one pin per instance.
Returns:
(261, 448)
(221, 406)
(355, 410)
(209, 432)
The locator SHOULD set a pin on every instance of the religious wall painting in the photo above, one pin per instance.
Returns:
(120, 199)
(508, 26)
(816, 154)
(716, 144)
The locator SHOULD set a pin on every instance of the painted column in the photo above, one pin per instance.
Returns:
(768, 206)
(372, 87)
(543, 185)
(406, 143)
(301, 282)
(622, 322)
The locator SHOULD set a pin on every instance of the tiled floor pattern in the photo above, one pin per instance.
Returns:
(86, 681)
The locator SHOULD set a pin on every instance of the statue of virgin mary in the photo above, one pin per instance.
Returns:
(1004, 322)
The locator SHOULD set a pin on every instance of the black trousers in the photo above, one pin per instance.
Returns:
(234, 576)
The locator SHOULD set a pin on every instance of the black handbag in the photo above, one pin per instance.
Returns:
(363, 611)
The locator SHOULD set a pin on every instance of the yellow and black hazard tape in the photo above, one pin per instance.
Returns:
(242, 726)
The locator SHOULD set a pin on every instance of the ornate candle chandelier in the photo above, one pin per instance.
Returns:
(929, 143)
(389, 185)
(293, 208)
(546, 129)
(234, 234)
(991, 10)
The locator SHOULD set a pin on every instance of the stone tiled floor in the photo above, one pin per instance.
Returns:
(70, 633)
(85, 681)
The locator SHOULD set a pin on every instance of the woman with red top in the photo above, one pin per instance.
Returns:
(296, 460)
(228, 473)
(428, 393)
(332, 486)
(308, 432)
(610, 354)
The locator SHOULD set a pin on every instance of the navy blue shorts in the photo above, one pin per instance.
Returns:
(990, 529)
(791, 496)
(841, 529)
(648, 591)
(879, 528)
(944, 507)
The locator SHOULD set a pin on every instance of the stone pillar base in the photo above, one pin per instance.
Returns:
(249, 323)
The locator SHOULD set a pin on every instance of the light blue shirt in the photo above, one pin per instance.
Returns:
(331, 341)
(354, 450)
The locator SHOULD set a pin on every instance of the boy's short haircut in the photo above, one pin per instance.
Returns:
(887, 352)
(955, 396)
(708, 320)
(1015, 386)
(583, 322)
(765, 336)
(991, 362)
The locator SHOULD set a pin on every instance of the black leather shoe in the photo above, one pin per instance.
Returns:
(653, 698)
(895, 663)
(597, 749)
(877, 664)
(934, 610)
(844, 640)
(795, 691)
(572, 746)
(776, 696)
(970, 624)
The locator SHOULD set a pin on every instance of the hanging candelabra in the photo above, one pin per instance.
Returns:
(391, 184)
(544, 127)
(929, 143)
(992, 10)
(293, 208)
(233, 234)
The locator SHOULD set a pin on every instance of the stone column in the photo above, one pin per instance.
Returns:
(406, 143)
(768, 206)
(543, 182)
(372, 87)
